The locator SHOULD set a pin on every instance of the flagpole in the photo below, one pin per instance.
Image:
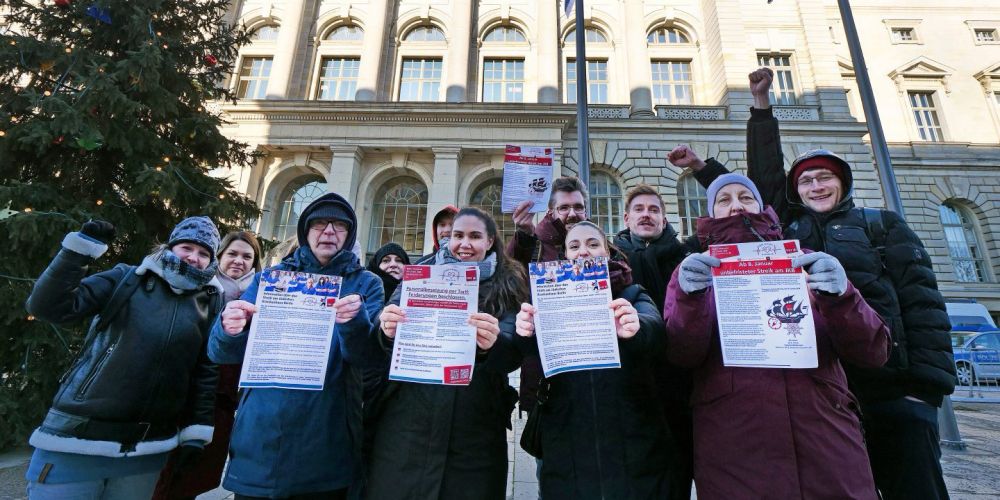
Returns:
(582, 133)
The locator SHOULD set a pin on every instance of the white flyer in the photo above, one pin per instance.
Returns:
(436, 344)
(291, 333)
(762, 305)
(573, 321)
(527, 175)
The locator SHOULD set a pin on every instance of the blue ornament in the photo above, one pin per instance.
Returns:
(100, 13)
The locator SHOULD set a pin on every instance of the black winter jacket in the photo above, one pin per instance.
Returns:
(136, 381)
(901, 287)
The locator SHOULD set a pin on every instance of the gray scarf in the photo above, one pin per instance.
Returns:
(232, 289)
(181, 276)
(486, 266)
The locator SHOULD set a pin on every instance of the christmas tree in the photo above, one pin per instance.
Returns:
(104, 114)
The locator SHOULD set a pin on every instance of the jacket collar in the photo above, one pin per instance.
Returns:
(739, 228)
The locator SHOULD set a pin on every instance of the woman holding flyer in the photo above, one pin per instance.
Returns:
(603, 434)
(772, 432)
(450, 442)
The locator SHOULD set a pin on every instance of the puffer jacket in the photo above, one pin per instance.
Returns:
(898, 281)
(142, 384)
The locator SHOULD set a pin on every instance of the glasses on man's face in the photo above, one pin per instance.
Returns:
(564, 209)
(320, 225)
(819, 179)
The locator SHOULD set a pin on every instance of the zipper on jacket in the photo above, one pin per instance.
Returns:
(87, 382)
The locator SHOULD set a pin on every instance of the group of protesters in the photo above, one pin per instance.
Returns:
(151, 409)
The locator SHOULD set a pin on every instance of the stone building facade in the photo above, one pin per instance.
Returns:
(405, 106)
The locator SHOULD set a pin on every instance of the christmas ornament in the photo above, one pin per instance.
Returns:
(86, 32)
(58, 140)
(90, 142)
(210, 60)
(63, 3)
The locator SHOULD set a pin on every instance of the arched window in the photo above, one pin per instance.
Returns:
(605, 202)
(692, 202)
(424, 33)
(346, 33)
(487, 198)
(266, 33)
(963, 243)
(399, 215)
(295, 198)
(592, 35)
(665, 36)
(505, 33)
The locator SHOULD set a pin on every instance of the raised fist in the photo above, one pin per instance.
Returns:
(760, 81)
(684, 157)
(99, 230)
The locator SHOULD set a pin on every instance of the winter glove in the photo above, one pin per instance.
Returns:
(187, 454)
(696, 272)
(825, 272)
(98, 230)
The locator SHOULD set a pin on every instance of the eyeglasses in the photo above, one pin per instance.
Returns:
(820, 179)
(339, 226)
(564, 209)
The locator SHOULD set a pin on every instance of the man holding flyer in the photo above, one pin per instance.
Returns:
(290, 442)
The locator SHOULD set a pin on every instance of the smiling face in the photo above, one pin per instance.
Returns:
(734, 199)
(469, 239)
(644, 217)
(820, 189)
(570, 207)
(585, 241)
(192, 253)
(392, 265)
(236, 259)
(443, 228)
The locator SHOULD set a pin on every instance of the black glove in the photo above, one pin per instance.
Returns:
(186, 455)
(99, 230)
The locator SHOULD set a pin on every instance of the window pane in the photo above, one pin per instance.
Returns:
(339, 79)
(398, 215)
(663, 36)
(297, 196)
(346, 33)
(503, 80)
(597, 81)
(605, 202)
(252, 83)
(963, 243)
(672, 82)
(504, 34)
(487, 198)
(424, 34)
(692, 202)
(590, 35)
(420, 80)
(265, 33)
(925, 116)
(783, 88)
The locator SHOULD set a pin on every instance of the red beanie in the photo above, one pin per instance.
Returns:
(831, 164)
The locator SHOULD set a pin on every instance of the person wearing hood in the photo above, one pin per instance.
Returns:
(239, 263)
(143, 384)
(387, 264)
(893, 272)
(292, 443)
(772, 432)
(445, 442)
(629, 456)
(441, 229)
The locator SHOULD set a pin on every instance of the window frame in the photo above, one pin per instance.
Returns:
(913, 25)
(408, 50)
(671, 83)
(977, 26)
(596, 51)
(505, 224)
(793, 75)
(503, 82)
(441, 78)
(616, 221)
(570, 97)
(687, 223)
(238, 74)
(418, 227)
(968, 225)
(935, 107)
(508, 50)
(335, 49)
(284, 198)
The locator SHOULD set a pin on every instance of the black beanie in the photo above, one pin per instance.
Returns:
(328, 206)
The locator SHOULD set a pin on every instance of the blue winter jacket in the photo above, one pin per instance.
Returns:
(290, 442)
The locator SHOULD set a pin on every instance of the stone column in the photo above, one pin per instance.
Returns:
(371, 55)
(287, 45)
(640, 83)
(547, 45)
(443, 189)
(345, 171)
(459, 41)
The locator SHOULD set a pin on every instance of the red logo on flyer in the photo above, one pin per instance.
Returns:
(602, 284)
(470, 275)
(458, 375)
(724, 251)
(330, 301)
(791, 247)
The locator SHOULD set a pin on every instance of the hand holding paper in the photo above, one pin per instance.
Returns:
(826, 274)
(347, 308)
(236, 315)
(391, 316)
(487, 330)
(696, 272)
(626, 318)
(525, 323)
(523, 218)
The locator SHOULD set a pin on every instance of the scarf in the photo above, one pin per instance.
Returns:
(181, 276)
(232, 288)
(486, 266)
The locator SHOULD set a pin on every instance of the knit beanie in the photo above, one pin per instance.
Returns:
(198, 229)
(328, 206)
(725, 180)
(818, 158)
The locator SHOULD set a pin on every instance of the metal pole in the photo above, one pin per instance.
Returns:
(879, 147)
(582, 134)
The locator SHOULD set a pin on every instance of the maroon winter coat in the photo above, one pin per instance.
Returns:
(775, 433)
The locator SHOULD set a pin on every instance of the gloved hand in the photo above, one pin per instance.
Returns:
(187, 454)
(825, 272)
(696, 272)
(98, 230)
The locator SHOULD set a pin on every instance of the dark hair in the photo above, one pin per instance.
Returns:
(566, 185)
(509, 285)
(249, 239)
(640, 190)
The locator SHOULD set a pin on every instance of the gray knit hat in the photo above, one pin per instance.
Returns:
(200, 230)
(725, 180)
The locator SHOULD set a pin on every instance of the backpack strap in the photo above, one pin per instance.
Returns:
(875, 227)
(123, 291)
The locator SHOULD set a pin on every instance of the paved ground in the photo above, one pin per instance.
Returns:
(973, 473)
